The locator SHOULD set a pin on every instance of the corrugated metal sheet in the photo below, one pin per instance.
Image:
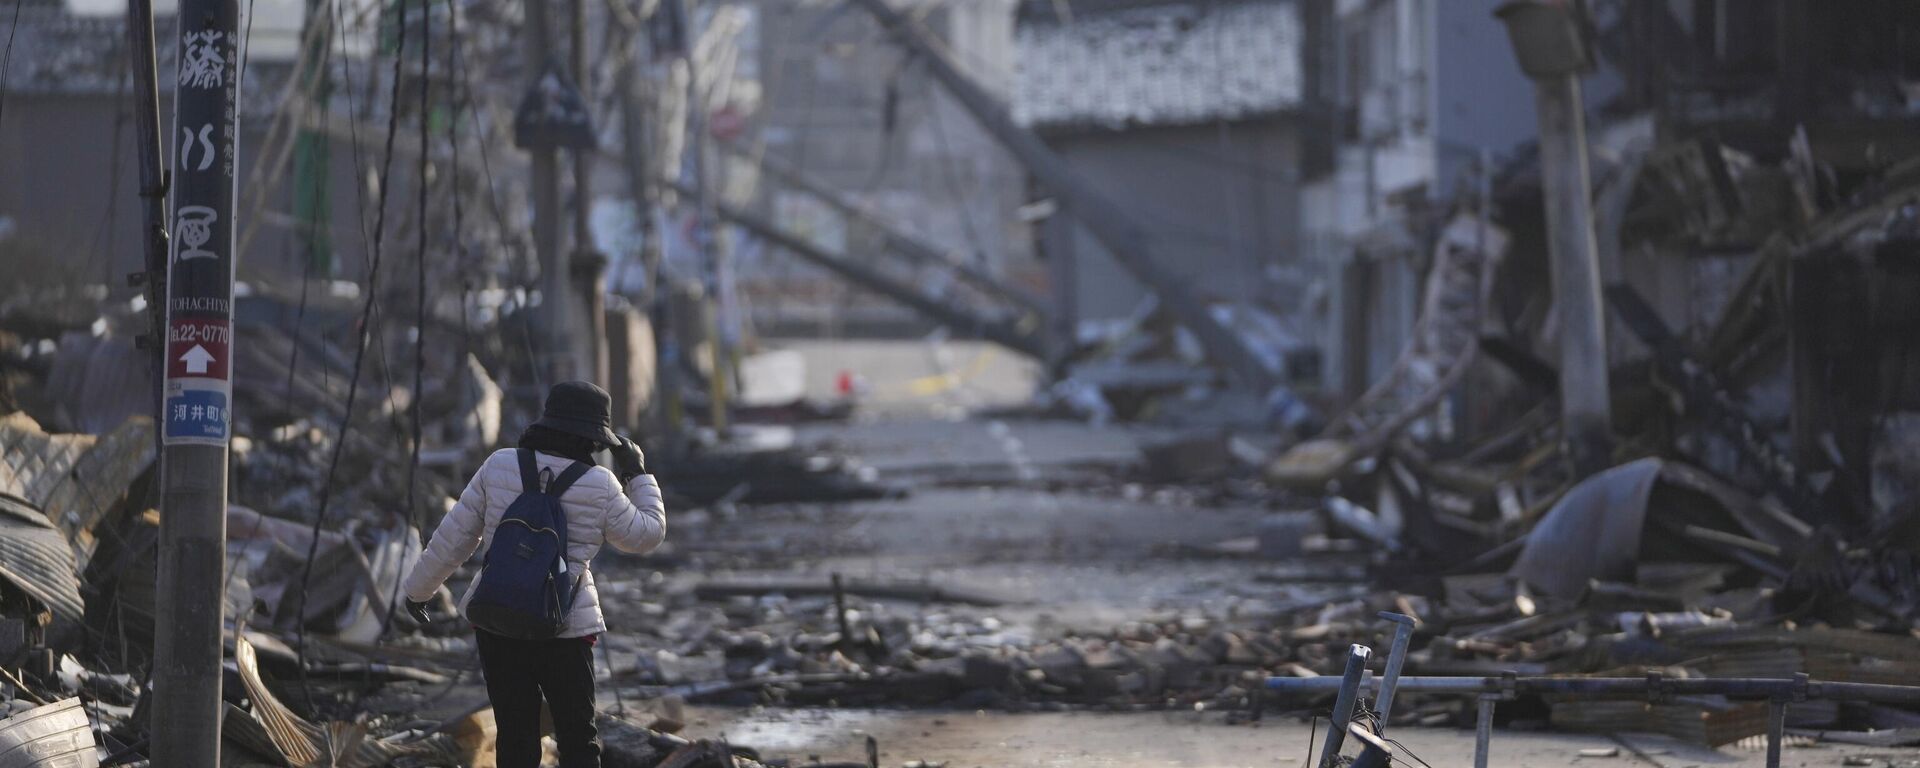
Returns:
(74, 479)
(1593, 532)
(1170, 64)
(276, 731)
(53, 736)
(36, 558)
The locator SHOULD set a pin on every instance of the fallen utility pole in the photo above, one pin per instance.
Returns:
(1023, 339)
(196, 414)
(892, 238)
(1108, 223)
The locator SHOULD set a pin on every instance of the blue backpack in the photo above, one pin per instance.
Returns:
(522, 590)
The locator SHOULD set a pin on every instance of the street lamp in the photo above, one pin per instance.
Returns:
(1550, 43)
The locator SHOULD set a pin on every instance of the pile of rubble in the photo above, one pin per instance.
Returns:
(319, 534)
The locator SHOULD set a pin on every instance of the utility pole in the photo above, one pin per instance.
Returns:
(1551, 46)
(153, 193)
(312, 201)
(588, 266)
(635, 116)
(711, 241)
(196, 418)
(554, 316)
(1110, 224)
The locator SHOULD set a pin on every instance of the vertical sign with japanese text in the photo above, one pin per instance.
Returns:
(200, 267)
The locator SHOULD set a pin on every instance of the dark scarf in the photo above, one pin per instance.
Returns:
(553, 441)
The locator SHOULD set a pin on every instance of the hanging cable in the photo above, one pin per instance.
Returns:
(419, 289)
(6, 59)
(360, 350)
(108, 226)
(420, 257)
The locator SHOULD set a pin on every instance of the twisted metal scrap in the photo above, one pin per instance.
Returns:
(304, 744)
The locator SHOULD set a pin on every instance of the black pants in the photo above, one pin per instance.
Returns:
(519, 673)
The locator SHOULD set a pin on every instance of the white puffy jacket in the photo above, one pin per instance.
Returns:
(597, 512)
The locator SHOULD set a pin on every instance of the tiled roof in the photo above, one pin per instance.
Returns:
(1168, 64)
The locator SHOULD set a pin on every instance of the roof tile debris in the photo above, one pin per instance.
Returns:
(1170, 64)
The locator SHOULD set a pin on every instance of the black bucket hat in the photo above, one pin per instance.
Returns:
(580, 408)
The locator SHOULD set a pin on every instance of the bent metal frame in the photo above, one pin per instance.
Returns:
(1654, 687)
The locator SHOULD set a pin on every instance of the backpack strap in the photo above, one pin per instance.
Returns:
(574, 472)
(529, 471)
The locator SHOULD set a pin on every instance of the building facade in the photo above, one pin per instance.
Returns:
(1188, 117)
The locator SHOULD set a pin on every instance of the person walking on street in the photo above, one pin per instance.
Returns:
(537, 615)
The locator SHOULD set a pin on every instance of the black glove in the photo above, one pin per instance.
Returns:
(418, 611)
(628, 462)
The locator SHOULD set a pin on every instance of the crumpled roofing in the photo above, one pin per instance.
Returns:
(36, 558)
(1171, 64)
(74, 480)
(57, 734)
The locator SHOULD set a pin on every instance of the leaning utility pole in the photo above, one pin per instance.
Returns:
(1107, 222)
(196, 415)
(1552, 49)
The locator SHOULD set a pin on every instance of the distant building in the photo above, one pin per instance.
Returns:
(69, 161)
(1189, 116)
(1416, 92)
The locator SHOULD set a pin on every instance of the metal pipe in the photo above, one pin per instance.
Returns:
(1374, 752)
(1776, 730)
(1396, 659)
(1350, 684)
(1483, 731)
(1627, 687)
